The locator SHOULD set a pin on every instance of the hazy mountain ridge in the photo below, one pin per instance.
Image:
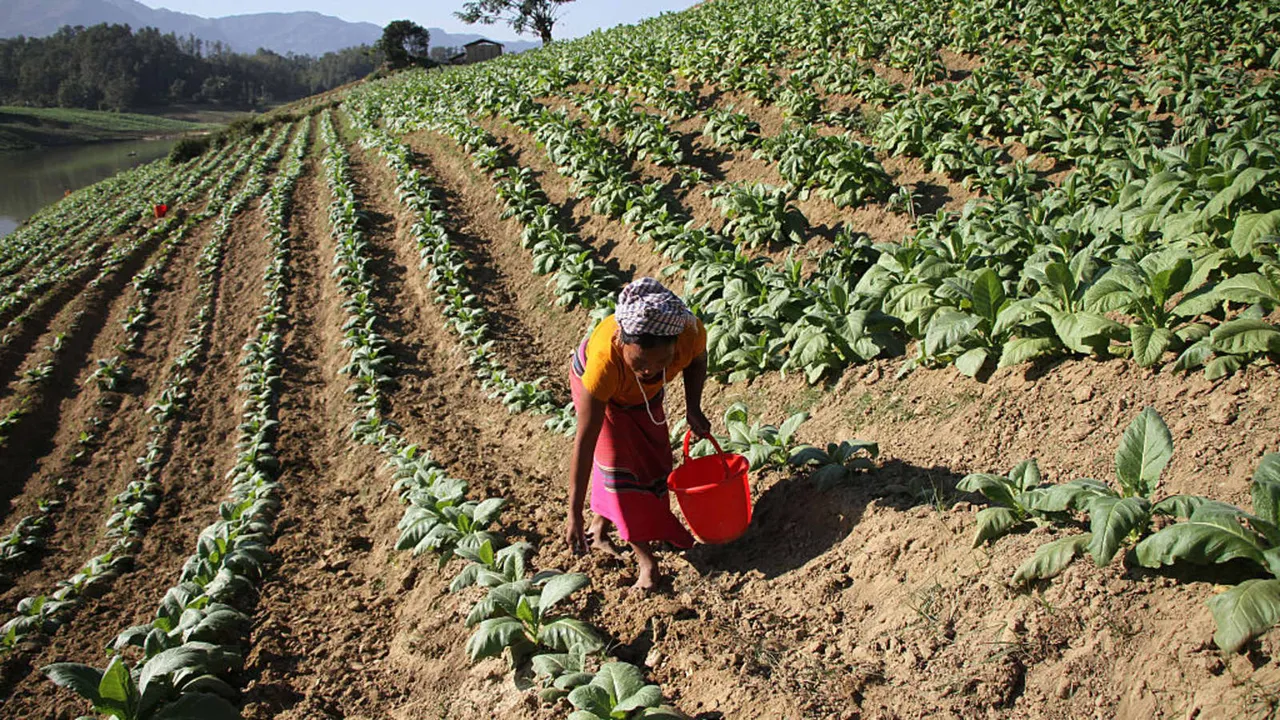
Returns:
(305, 33)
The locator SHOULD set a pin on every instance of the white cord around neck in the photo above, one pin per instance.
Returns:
(646, 399)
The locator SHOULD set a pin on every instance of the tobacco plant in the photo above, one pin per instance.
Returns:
(839, 463)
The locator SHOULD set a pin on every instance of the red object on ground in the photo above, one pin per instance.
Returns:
(713, 493)
(161, 210)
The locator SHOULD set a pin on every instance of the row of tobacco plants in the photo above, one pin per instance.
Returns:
(183, 659)
(521, 614)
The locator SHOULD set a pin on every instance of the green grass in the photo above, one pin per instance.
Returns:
(29, 128)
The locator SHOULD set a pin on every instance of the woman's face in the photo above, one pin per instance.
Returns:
(648, 363)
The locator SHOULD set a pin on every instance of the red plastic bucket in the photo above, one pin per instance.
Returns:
(713, 494)
(161, 210)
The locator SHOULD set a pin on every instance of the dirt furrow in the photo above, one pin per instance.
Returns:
(192, 484)
(515, 340)
(83, 328)
(525, 299)
(120, 439)
(324, 612)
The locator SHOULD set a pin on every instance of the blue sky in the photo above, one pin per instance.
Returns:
(580, 17)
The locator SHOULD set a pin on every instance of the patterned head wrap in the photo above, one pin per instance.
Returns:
(646, 307)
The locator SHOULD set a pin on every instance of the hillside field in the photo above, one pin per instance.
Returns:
(993, 300)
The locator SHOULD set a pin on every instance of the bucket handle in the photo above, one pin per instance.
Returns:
(719, 453)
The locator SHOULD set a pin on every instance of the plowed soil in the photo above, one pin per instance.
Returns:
(863, 600)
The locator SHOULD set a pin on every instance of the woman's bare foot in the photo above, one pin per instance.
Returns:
(599, 533)
(647, 582)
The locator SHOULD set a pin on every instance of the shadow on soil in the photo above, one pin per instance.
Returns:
(795, 520)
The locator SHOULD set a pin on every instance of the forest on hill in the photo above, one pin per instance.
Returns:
(113, 67)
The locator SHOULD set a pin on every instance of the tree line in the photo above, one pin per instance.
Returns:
(112, 67)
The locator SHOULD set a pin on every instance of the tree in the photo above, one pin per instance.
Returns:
(537, 16)
(404, 43)
(442, 53)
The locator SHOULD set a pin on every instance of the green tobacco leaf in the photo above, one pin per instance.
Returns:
(1245, 336)
(560, 587)
(116, 691)
(1266, 489)
(1249, 289)
(1178, 506)
(619, 680)
(1085, 332)
(1051, 558)
(569, 634)
(1145, 448)
(81, 679)
(1110, 522)
(948, 328)
(1223, 366)
(1026, 475)
(971, 362)
(1250, 229)
(993, 523)
(1075, 495)
(495, 635)
(1149, 344)
(1244, 612)
(1020, 350)
(1206, 541)
(592, 701)
(646, 697)
(988, 296)
(198, 706)
(995, 488)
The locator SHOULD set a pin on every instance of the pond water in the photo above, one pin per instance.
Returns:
(32, 179)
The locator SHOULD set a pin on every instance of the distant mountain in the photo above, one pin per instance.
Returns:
(304, 33)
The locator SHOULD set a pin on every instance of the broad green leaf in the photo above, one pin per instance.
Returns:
(487, 511)
(592, 701)
(1025, 475)
(994, 523)
(1020, 350)
(1223, 366)
(1075, 495)
(1244, 612)
(1178, 506)
(1244, 336)
(648, 696)
(988, 296)
(1249, 289)
(948, 328)
(198, 706)
(560, 587)
(1149, 344)
(790, 425)
(807, 455)
(995, 488)
(828, 475)
(116, 691)
(1110, 522)
(1145, 449)
(82, 679)
(1085, 332)
(569, 634)
(970, 362)
(1266, 489)
(1051, 559)
(493, 636)
(1250, 229)
(619, 680)
(1200, 542)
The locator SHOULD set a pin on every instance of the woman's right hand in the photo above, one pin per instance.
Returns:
(575, 534)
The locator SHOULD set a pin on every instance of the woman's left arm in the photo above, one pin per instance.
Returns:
(695, 376)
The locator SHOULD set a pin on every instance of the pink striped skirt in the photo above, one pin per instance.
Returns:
(630, 468)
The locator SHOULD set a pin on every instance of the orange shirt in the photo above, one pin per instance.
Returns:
(607, 376)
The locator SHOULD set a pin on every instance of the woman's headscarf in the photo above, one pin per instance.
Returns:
(646, 307)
